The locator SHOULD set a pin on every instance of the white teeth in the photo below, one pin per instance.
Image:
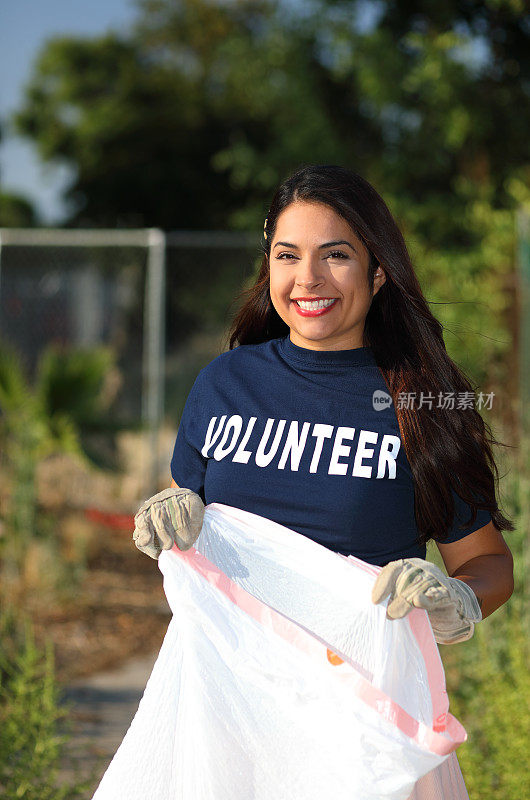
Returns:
(312, 305)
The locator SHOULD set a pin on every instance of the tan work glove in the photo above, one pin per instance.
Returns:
(451, 604)
(173, 516)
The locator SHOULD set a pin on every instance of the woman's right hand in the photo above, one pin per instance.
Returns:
(173, 516)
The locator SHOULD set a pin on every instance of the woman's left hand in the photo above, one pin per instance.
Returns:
(451, 604)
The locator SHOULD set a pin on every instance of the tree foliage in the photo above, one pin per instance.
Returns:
(16, 211)
(205, 96)
(192, 118)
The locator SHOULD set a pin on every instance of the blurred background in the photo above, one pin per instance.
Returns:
(140, 145)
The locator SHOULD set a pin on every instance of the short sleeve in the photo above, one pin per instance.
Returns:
(463, 512)
(188, 465)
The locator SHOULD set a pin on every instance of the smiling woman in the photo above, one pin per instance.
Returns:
(302, 420)
(329, 235)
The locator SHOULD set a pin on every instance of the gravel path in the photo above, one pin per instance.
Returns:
(102, 709)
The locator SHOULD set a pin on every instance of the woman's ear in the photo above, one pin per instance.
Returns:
(379, 279)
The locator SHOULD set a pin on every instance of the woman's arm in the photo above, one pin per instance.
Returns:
(482, 560)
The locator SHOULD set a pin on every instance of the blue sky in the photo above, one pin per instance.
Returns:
(24, 27)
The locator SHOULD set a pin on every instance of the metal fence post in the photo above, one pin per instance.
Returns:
(154, 351)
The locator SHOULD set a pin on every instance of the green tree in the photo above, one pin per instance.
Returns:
(16, 211)
(139, 134)
(192, 119)
(204, 98)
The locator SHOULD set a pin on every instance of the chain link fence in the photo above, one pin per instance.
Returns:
(162, 303)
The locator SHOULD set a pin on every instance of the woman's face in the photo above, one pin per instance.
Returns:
(315, 254)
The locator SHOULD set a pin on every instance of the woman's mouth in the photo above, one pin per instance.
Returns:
(314, 308)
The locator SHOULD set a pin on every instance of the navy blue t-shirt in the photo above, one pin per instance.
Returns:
(309, 439)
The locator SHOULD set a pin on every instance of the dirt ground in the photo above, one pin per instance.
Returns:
(119, 611)
(85, 584)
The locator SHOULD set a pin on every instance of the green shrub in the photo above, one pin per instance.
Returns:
(490, 696)
(70, 398)
(30, 743)
(488, 681)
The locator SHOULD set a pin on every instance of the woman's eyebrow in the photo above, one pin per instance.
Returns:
(326, 244)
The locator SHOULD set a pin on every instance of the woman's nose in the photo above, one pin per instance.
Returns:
(309, 274)
(309, 284)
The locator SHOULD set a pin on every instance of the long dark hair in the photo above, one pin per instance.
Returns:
(449, 449)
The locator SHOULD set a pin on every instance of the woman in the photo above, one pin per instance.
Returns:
(337, 416)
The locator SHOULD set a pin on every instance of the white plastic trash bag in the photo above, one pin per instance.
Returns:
(279, 678)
